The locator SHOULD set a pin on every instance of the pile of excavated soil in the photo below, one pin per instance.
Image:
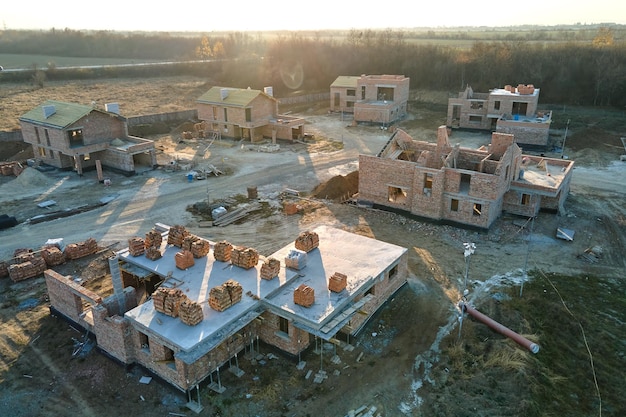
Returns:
(338, 188)
(28, 180)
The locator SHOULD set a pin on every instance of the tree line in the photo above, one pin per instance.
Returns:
(568, 72)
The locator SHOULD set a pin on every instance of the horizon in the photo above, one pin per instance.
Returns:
(281, 15)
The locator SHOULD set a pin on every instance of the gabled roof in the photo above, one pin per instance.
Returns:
(238, 97)
(345, 81)
(61, 114)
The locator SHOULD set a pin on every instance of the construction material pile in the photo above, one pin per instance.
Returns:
(4, 269)
(244, 257)
(223, 251)
(304, 296)
(52, 255)
(184, 259)
(81, 249)
(307, 241)
(190, 312)
(28, 264)
(177, 235)
(136, 246)
(295, 259)
(270, 268)
(152, 244)
(223, 296)
(196, 245)
(12, 168)
(168, 300)
(337, 282)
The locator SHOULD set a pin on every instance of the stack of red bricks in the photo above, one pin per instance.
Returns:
(304, 296)
(28, 264)
(337, 282)
(244, 257)
(168, 300)
(136, 246)
(11, 168)
(4, 269)
(307, 241)
(153, 239)
(188, 241)
(52, 255)
(184, 259)
(152, 244)
(81, 249)
(200, 248)
(270, 268)
(222, 251)
(177, 235)
(223, 296)
(190, 312)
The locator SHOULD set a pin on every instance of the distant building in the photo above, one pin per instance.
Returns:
(380, 99)
(132, 327)
(247, 114)
(504, 110)
(460, 185)
(75, 136)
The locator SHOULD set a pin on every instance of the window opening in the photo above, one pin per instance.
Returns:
(454, 205)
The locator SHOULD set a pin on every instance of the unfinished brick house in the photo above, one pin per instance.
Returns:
(470, 187)
(505, 110)
(380, 99)
(183, 313)
(75, 136)
(247, 114)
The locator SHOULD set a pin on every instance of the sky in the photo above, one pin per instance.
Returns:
(260, 15)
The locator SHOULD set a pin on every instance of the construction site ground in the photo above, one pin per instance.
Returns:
(413, 358)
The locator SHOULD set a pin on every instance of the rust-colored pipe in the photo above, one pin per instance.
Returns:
(519, 339)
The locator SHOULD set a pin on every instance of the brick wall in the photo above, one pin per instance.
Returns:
(293, 342)
(63, 295)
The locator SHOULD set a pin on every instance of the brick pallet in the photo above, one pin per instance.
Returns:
(307, 241)
(153, 253)
(52, 255)
(168, 300)
(270, 268)
(188, 241)
(200, 248)
(190, 312)
(153, 239)
(337, 282)
(296, 259)
(223, 296)
(81, 249)
(304, 296)
(222, 251)
(244, 257)
(21, 271)
(136, 246)
(184, 259)
(176, 235)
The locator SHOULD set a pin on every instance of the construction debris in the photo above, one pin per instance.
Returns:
(591, 255)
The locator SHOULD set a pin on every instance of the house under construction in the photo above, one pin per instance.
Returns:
(510, 109)
(466, 186)
(183, 306)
